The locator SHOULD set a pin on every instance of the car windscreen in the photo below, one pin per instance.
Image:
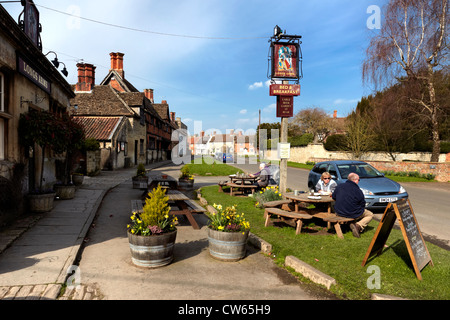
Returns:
(364, 170)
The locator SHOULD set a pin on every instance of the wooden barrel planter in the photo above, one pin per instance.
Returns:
(185, 184)
(140, 182)
(152, 251)
(64, 192)
(41, 202)
(77, 179)
(227, 246)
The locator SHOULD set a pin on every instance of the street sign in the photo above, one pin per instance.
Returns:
(285, 106)
(285, 90)
(285, 60)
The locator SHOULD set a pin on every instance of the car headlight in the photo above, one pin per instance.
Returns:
(402, 190)
(366, 192)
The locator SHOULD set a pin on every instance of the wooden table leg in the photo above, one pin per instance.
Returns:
(185, 211)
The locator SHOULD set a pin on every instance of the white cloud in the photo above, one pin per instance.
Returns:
(270, 108)
(256, 85)
(243, 111)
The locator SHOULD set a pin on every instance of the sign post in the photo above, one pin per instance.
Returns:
(415, 244)
(285, 66)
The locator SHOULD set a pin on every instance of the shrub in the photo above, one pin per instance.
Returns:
(91, 144)
(140, 172)
(336, 142)
(266, 195)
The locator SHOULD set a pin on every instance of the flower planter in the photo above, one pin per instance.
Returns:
(140, 182)
(41, 202)
(152, 251)
(185, 184)
(227, 246)
(64, 192)
(77, 179)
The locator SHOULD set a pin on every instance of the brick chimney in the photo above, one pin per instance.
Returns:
(164, 102)
(149, 94)
(117, 63)
(335, 114)
(172, 116)
(86, 77)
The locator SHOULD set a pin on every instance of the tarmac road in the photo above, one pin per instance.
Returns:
(193, 275)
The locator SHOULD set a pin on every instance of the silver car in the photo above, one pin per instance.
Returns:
(378, 190)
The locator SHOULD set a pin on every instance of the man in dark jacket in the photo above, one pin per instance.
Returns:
(350, 203)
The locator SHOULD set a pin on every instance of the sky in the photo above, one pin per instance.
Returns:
(209, 58)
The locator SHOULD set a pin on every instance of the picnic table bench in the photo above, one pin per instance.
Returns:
(276, 203)
(337, 221)
(296, 216)
(241, 186)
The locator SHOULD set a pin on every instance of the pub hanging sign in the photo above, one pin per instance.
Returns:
(285, 61)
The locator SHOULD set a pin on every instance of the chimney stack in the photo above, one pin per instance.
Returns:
(335, 114)
(86, 77)
(149, 94)
(172, 116)
(117, 63)
(164, 102)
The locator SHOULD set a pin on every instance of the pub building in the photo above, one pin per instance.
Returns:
(28, 80)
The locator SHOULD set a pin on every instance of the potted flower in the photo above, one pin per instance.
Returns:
(186, 179)
(77, 178)
(140, 180)
(152, 233)
(227, 234)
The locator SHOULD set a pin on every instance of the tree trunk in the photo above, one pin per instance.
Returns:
(434, 117)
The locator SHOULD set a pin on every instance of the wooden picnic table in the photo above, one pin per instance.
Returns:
(242, 179)
(185, 206)
(166, 181)
(328, 216)
(306, 198)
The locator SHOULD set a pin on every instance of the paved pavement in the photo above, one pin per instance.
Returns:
(38, 250)
(38, 254)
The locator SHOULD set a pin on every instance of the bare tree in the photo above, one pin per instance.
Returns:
(359, 133)
(315, 121)
(411, 46)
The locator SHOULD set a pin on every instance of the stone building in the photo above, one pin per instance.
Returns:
(138, 130)
(28, 80)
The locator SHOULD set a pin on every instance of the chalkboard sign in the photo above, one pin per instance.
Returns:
(415, 244)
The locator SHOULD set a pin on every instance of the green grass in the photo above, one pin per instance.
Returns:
(215, 168)
(211, 168)
(341, 259)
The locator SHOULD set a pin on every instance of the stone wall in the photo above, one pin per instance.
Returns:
(93, 162)
(417, 161)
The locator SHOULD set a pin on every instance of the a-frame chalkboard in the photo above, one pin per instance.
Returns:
(415, 244)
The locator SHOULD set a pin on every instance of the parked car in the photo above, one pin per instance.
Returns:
(227, 157)
(378, 190)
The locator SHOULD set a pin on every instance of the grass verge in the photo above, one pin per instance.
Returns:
(341, 259)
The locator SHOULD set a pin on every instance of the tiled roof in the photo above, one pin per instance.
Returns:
(102, 101)
(99, 128)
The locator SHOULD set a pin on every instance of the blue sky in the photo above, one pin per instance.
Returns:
(215, 84)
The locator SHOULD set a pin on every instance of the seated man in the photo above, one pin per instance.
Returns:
(350, 203)
(263, 174)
